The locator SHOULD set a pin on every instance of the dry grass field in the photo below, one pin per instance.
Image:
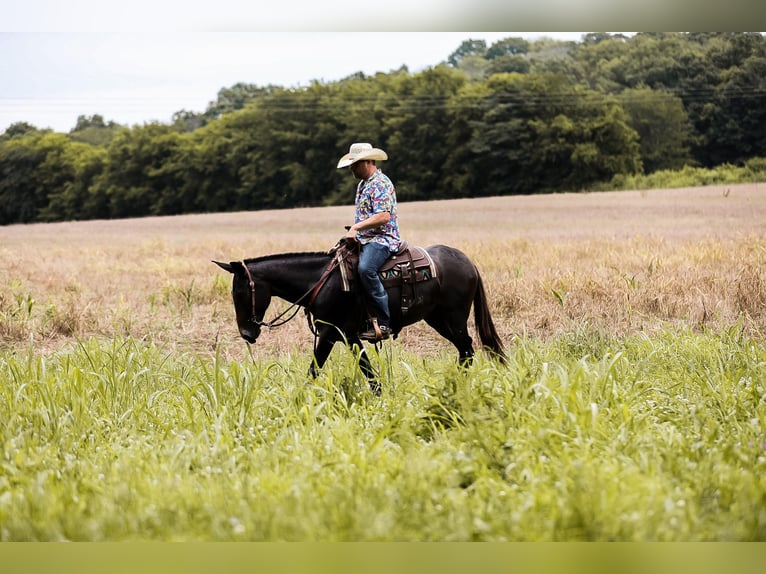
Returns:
(613, 262)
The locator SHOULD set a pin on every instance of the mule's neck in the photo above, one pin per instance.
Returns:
(293, 275)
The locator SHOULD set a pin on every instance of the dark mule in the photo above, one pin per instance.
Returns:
(444, 302)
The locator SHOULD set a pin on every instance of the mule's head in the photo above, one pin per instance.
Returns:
(251, 298)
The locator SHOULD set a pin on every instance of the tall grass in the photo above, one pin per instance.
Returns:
(645, 438)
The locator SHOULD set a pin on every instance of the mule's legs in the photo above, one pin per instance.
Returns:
(322, 349)
(320, 357)
(364, 360)
(327, 339)
(453, 326)
(366, 366)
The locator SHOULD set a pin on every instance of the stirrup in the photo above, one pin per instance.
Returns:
(375, 333)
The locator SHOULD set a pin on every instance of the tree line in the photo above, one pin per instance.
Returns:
(515, 117)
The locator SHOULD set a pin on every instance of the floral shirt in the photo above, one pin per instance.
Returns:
(376, 195)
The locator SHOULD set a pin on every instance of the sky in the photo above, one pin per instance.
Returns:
(138, 61)
(48, 78)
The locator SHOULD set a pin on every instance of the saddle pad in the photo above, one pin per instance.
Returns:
(409, 265)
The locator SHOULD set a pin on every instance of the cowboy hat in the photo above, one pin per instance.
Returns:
(359, 151)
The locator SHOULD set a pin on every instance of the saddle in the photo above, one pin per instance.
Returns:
(405, 268)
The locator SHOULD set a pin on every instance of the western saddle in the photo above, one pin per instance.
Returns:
(405, 268)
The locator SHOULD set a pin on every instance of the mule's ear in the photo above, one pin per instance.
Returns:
(226, 266)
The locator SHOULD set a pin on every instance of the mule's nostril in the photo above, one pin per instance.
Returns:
(249, 337)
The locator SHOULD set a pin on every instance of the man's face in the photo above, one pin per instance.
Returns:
(360, 168)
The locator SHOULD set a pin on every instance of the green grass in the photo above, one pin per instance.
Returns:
(752, 171)
(586, 437)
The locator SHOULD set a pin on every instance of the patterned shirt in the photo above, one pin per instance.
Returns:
(376, 195)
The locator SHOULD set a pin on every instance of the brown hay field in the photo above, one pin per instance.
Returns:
(613, 262)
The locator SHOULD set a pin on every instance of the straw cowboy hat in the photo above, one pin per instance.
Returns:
(359, 151)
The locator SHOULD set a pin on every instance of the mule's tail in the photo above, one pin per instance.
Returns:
(484, 325)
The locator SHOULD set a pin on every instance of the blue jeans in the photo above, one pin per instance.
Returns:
(371, 259)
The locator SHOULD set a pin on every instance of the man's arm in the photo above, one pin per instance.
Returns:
(372, 222)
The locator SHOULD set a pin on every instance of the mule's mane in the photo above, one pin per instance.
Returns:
(296, 255)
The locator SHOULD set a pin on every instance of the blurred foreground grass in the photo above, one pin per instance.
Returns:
(642, 438)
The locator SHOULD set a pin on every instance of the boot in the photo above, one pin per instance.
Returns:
(376, 332)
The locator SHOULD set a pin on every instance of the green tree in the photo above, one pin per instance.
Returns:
(730, 117)
(662, 125)
(656, 61)
(474, 67)
(540, 134)
(547, 56)
(235, 97)
(419, 126)
(736, 115)
(44, 176)
(726, 50)
(139, 176)
(18, 129)
(508, 64)
(507, 56)
(277, 152)
(508, 47)
(467, 48)
(94, 130)
(186, 121)
(462, 174)
(288, 160)
(207, 167)
(717, 75)
(21, 195)
(596, 56)
(72, 198)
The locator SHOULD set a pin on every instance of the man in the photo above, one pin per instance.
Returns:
(376, 228)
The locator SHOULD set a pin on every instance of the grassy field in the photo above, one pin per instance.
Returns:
(632, 406)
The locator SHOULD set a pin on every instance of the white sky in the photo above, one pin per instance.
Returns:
(49, 78)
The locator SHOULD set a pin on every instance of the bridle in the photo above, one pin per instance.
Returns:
(293, 309)
(274, 322)
(252, 294)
